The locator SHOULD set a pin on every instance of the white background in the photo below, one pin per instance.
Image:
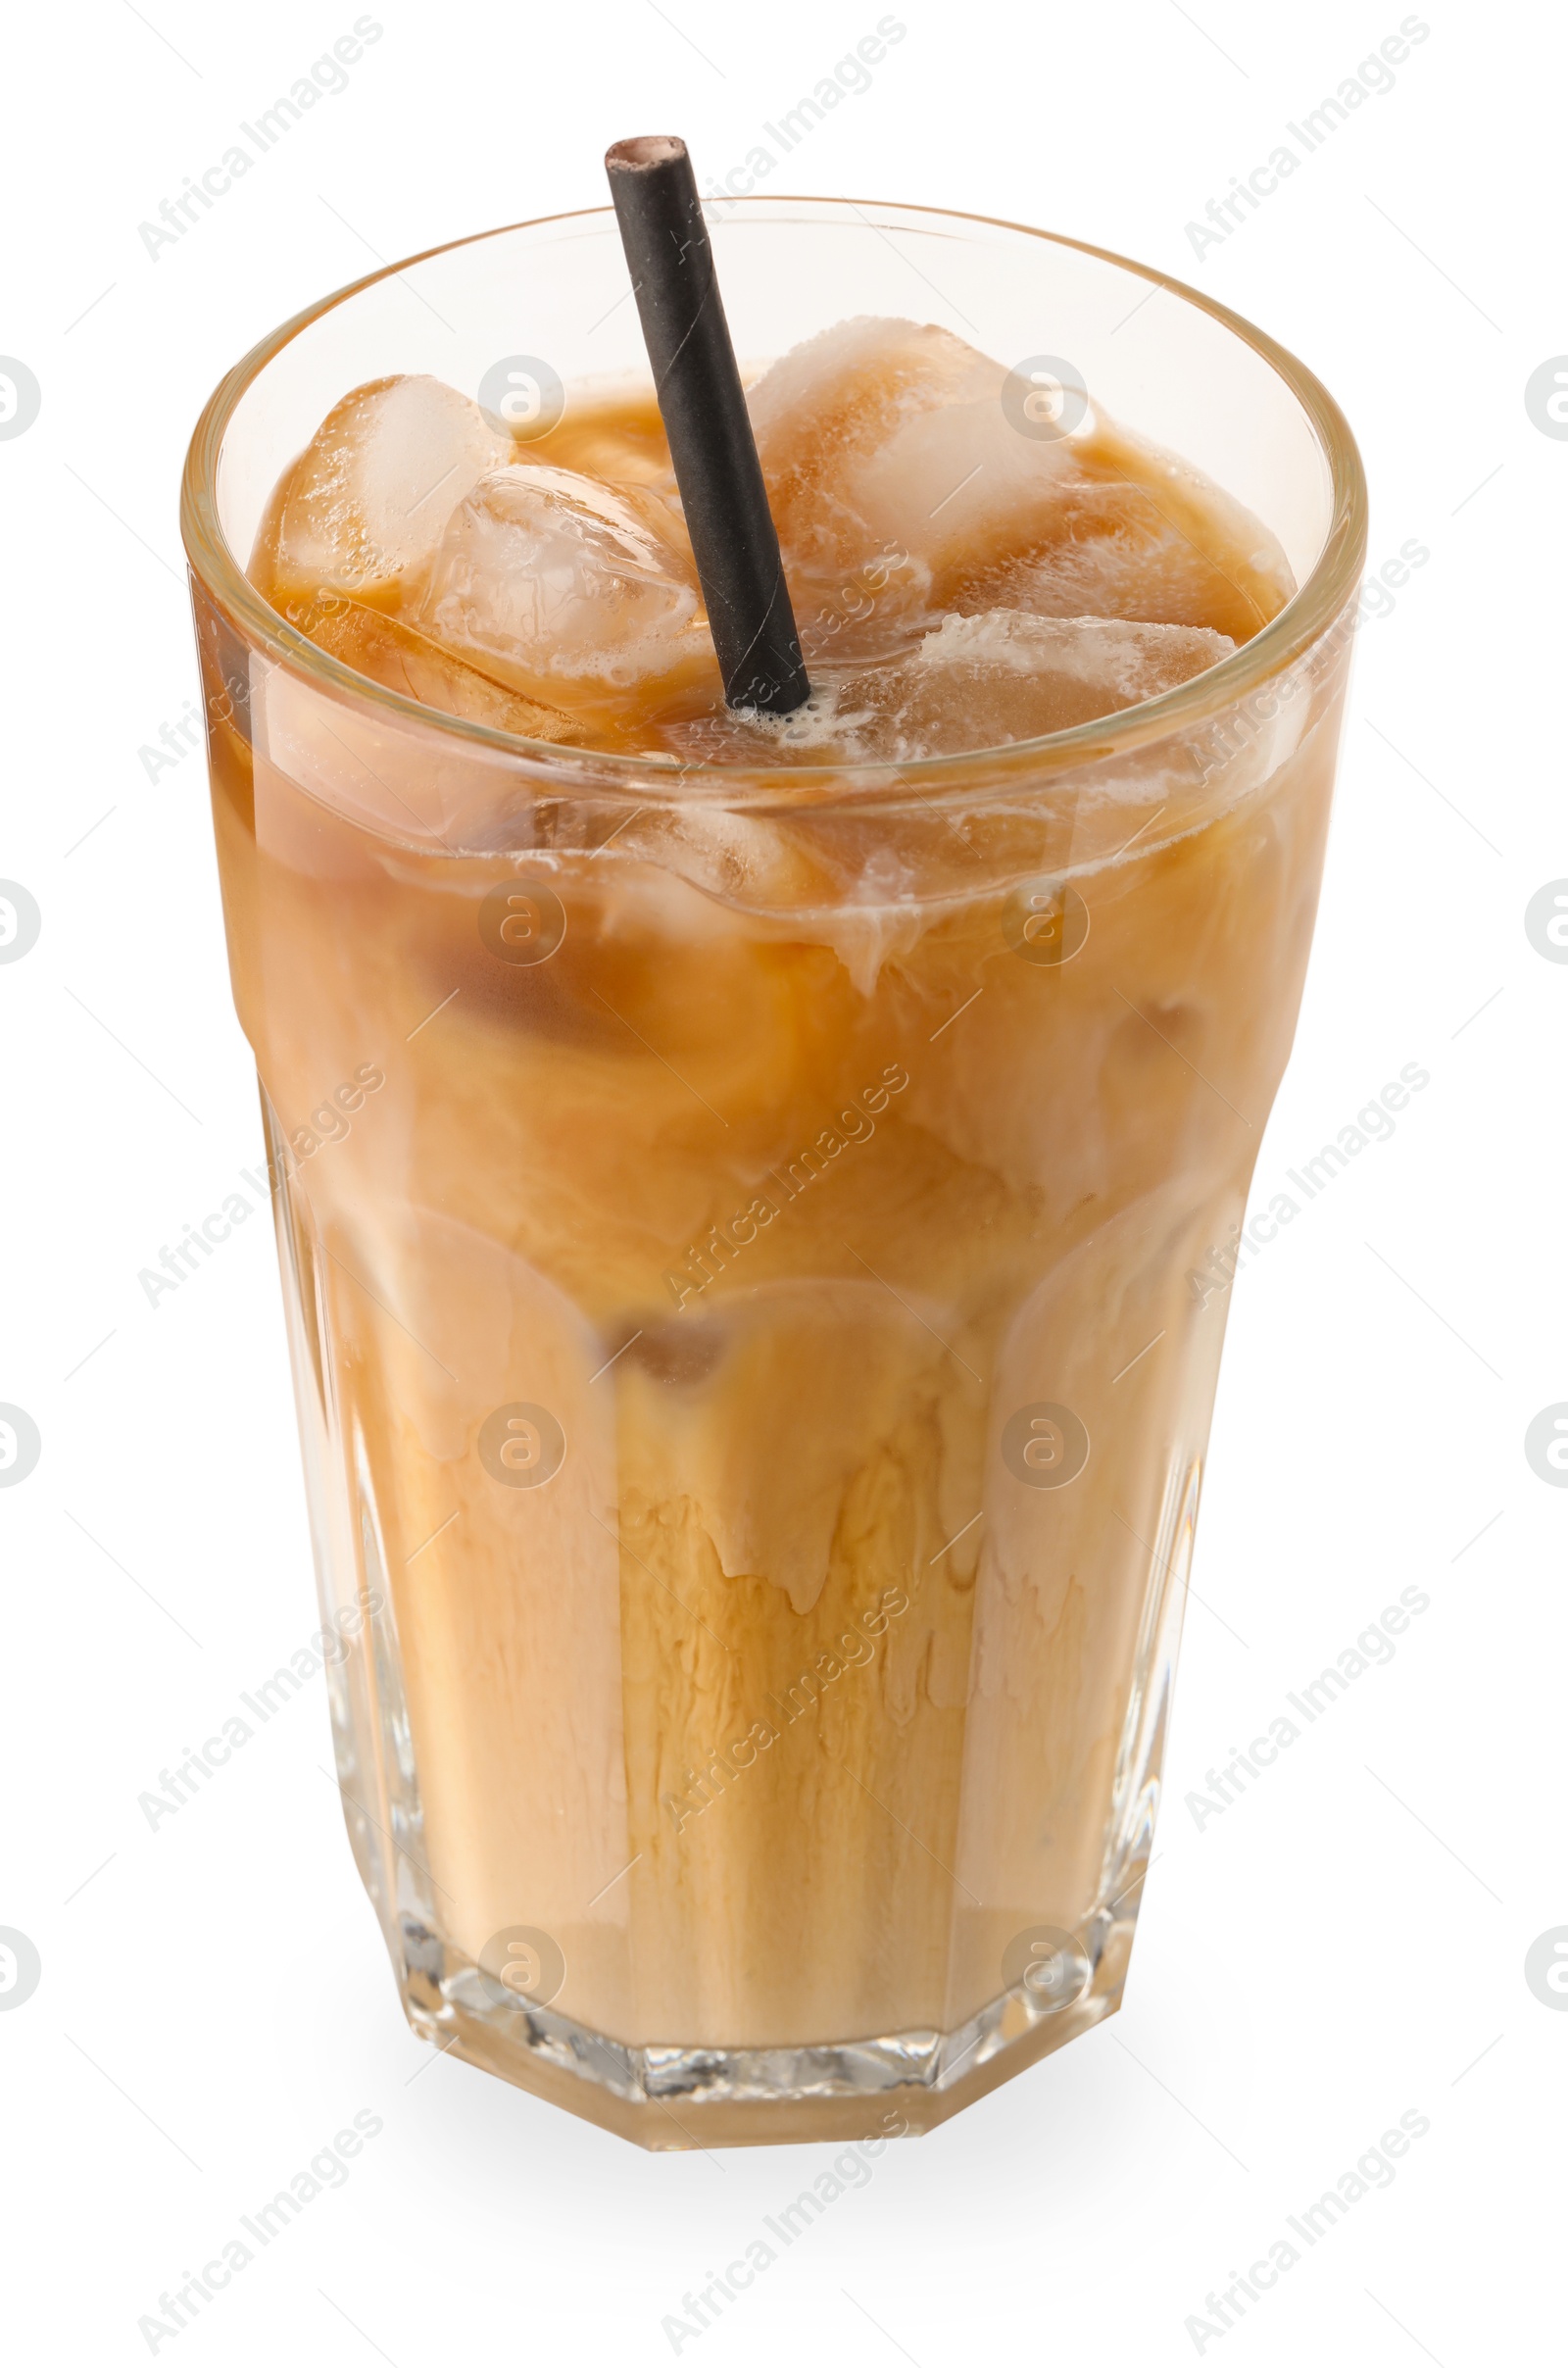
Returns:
(1344, 1944)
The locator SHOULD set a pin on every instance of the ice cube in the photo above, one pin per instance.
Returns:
(403, 660)
(1138, 534)
(1106, 561)
(570, 589)
(885, 445)
(368, 499)
(976, 682)
(985, 681)
(906, 485)
(756, 862)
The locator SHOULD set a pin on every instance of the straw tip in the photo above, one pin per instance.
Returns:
(641, 154)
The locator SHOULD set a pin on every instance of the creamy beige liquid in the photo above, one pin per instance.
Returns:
(789, 1699)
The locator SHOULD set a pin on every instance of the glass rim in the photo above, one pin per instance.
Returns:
(1305, 618)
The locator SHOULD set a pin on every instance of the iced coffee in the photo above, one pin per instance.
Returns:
(747, 1343)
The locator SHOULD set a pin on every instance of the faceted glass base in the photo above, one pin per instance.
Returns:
(673, 2098)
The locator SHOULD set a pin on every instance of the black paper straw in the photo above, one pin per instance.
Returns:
(734, 540)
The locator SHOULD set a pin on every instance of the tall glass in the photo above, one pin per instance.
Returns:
(747, 1234)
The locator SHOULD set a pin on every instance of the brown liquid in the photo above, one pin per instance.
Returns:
(781, 1202)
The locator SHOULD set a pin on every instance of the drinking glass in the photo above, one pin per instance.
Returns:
(752, 1239)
